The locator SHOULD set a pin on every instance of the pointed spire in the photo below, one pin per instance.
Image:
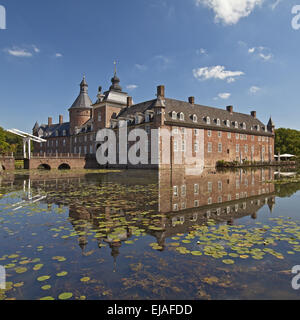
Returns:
(83, 100)
(271, 125)
(36, 127)
(115, 80)
(83, 85)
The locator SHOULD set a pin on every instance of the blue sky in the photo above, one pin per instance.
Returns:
(243, 53)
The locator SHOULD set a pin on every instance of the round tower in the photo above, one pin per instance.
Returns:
(81, 110)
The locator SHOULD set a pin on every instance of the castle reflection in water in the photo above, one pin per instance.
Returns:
(178, 200)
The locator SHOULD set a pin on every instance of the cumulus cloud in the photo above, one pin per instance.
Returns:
(261, 52)
(140, 67)
(132, 86)
(201, 51)
(18, 52)
(216, 72)
(224, 95)
(230, 11)
(254, 89)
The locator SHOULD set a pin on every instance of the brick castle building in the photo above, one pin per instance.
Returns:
(213, 134)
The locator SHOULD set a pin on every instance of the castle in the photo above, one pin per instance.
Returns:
(213, 134)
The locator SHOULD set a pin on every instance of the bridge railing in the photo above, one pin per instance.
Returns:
(9, 155)
(58, 155)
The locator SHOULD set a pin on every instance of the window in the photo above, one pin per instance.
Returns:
(229, 135)
(99, 117)
(263, 139)
(175, 145)
(196, 204)
(220, 185)
(209, 186)
(175, 130)
(218, 122)
(147, 118)
(64, 142)
(183, 145)
(237, 136)
(57, 143)
(196, 132)
(91, 137)
(56, 133)
(252, 149)
(181, 117)
(85, 149)
(183, 190)
(237, 148)
(174, 115)
(91, 149)
(246, 148)
(244, 126)
(175, 191)
(209, 201)
(227, 123)
(259, 138)
(209, 147)
(219, 147)
(195, 118)
(236, 125)
(258, 128)
(196, 188)
(64, 133)
(219, 134)
(209, 133)
(196, 147)
(85, 138)
(136, 119)
(208, 120)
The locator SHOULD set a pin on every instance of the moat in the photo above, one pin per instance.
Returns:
(149, 235)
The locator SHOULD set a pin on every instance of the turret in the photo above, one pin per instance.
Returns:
(80, 112)
(271, 126)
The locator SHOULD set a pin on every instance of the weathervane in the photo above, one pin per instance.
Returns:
(115, 63)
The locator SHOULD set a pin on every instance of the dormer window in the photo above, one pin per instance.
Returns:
(136, 119)
(174, 115)
(236, 125)
(208, 120)
(244, 126)
(218, 122)
(56, 133)
(227, 123)
(195, 118)
(258, 128)
(181, 117)
(147, 118)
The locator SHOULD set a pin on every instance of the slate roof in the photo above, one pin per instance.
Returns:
(50, 131)
(83, 100)
(202, 112)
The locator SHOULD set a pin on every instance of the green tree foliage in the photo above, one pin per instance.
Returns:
(287, 141)
(10, 142)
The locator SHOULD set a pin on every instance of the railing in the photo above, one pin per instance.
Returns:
(58, 155)
(7, 155)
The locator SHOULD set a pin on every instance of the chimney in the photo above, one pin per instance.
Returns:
(192, 100)
(229, 109)
(49, 121)
(161, 91)
(129, 102)
(253, 114)
(61, 119)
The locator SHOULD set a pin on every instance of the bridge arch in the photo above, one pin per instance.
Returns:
(44, 166)
(64, 166)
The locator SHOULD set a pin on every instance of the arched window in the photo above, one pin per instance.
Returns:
(208, 120)
(181, 116)
(56, 133)
(236, 125)
(195, 118)
(258, 128)
(174, 115)
(227, 123)
(244, 126)
(218, 122)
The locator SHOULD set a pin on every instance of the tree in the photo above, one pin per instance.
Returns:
(287, 141)
(10, 142)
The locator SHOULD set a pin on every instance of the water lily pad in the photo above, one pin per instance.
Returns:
(43, 278)
(65, 296)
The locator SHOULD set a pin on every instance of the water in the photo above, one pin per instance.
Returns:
(149, 235)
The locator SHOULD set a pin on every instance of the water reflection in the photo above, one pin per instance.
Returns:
(160, 203)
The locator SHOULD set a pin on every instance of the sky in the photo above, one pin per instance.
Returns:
(243, 53)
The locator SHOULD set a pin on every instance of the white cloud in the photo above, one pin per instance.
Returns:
(230, 11)
(36, 49)
(18, 52)
(224, 95)
(141, 67)
(201, 51)
(216, 72)
(254, 89)
(261, 52)
(132, 86)
(58, 55)
(275, 4)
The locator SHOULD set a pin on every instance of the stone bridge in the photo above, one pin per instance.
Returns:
(7, 162)
(60, 161)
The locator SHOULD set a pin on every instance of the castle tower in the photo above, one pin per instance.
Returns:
(271, 126)
(80, 112)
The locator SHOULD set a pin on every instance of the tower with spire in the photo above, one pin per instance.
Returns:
(271, 125)
(81, 110)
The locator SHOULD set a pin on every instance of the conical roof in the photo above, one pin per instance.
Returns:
(83, 100)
